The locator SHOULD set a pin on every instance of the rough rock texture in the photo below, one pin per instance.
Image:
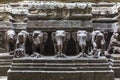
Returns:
(70, 68)
(68, 25)
(5, 63)
(115, 64)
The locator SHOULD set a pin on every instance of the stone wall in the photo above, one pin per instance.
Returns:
(6, 1)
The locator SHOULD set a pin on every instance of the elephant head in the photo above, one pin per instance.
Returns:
(39, 39)
(98, 42)
(10, 40)
(80, 37)
(21, 39)
(60, 39)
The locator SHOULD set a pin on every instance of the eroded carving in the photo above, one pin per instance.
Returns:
(19, 52)
(39, 39)
(21, 39)
(98, 42)
(114, 46)
(81, 37)
(60, 39)
(10, 40)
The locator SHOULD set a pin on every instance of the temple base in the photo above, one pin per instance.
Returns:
(70, 68)
(5, 63)
(115, 64)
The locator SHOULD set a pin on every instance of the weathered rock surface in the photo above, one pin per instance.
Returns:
(70, 68)
(5, 63)
(115, 64)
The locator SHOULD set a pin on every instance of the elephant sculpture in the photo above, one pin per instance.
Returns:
(80, 37)
(21, 41)
(98, 42)
(10, 40)
(39, 39)
(114, 46)
(60, 39)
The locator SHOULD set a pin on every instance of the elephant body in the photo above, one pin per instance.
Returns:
(21, 39)
(98, 39)
(24, 42)
(80, 37)
(60, 39)
(114, 46)
(98, 42)
(10, 40)
(39, 39)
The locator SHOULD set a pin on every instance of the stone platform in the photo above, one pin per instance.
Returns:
(5, 63)
(70, 68)
(115, 64)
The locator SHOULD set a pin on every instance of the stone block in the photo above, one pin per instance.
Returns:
(16, 75)
(60, 75)
(4, 69)
(5, 63)
(104, 75)
(116, 72)
(50, 68)
(115, 64)
(87, 75)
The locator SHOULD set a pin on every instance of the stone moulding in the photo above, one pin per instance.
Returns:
(70, 68)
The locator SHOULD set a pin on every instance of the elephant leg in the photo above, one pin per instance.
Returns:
(64, 49)
(77, 48)
(82, 49)
(60, 49)
(34, 48)
(55, 48)
(12, 47)
(59, 53)
(82, 53)
(42, 47)
(8, 46)
(103, 50)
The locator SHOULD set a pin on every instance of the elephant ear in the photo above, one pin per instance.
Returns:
(45, 36)
(68, 36)
(53, 36)
(74, 36)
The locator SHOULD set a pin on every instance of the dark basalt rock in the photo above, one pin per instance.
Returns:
(69, 68)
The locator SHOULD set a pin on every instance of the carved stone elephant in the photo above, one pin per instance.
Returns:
(60, 39)
(10, 40)
(24, 41)
(39, 39)
(80, 37)
(20, 44)
(21, 39)
(98, 42)
(114, 46)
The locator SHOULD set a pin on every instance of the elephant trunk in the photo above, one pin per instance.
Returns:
(82, 43)
(37, 41)
(60, 45)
